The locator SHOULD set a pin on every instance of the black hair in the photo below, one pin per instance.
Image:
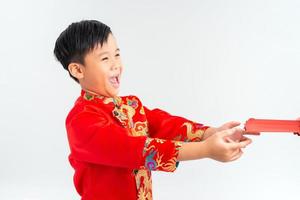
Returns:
(77, 40)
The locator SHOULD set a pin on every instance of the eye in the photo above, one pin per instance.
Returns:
(106, 58)
(117, 55)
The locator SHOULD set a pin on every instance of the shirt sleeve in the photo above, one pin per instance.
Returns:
(163, 125)
(95, 138)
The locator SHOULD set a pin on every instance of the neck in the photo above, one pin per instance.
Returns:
(96, 94)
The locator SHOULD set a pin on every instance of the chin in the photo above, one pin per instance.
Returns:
(114, 93)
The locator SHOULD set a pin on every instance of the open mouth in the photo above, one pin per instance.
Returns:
(115, 81)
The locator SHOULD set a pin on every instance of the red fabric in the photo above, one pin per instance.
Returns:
(163, 125)
(116, 143)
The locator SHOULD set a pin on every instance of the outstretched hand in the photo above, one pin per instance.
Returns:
(226, 145)
(212, 130)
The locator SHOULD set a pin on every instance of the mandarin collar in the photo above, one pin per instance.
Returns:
(89, 96)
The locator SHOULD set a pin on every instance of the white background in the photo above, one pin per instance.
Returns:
(208, 61)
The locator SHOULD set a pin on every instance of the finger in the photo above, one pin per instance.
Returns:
(231, 124)
(235, 152)
(242, 144)
(232, 131)
(237, 156)
(228, 139)
(244, 138)
(237, 138)
(245, 143)
(234, 137)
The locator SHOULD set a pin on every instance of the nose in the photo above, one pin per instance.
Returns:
(115, 64)
(115, 67)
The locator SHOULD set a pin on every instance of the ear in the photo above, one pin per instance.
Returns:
(76, 70)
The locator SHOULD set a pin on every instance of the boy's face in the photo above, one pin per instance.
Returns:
(102, 69)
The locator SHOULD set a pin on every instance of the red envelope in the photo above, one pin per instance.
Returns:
(270, 125)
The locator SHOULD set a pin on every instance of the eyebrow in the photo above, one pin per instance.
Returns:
(106, 52)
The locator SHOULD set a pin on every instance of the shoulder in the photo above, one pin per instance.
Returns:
(83, 108)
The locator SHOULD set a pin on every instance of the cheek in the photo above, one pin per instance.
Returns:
(97, 76)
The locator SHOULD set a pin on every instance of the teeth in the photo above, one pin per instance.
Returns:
(114, 81)
(115, 78)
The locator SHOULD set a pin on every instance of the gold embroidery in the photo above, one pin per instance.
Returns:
(169, 165)
(108, 100)
(140, 129)
(89, 95)
(144, 184)
(124, 113)
(130, 112)
(191, 134)
(142, 111)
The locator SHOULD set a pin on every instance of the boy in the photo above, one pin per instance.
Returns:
(116, 142)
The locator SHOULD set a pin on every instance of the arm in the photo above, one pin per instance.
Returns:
(163, 125)
(94, 138)
(223, 146)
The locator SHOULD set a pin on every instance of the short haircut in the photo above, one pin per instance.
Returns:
(77, 40)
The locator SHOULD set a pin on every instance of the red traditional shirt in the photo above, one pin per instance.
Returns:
(115, 143)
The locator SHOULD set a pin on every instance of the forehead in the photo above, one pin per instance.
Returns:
(109, 45)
